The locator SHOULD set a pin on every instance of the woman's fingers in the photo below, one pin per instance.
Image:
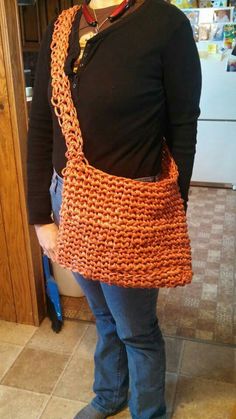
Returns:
(47, 237)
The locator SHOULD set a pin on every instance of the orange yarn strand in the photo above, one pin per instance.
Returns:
(117, 230)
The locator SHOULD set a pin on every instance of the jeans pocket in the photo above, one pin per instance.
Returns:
(53, 184)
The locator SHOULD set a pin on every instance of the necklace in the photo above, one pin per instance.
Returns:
(93, 21)
(98, 27)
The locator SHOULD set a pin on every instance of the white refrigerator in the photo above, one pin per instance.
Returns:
(215, 160)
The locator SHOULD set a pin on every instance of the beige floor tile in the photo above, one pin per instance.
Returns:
(88, 343)
(209, 361)
(36, 370)
(20, 404)
(58, 408)
(198, 398)
(171, 382)
(15, 333)
(173, 350)
(77, 380)
(8, 354)
(63, 342)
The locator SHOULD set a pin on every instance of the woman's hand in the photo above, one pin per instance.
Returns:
(47, 237)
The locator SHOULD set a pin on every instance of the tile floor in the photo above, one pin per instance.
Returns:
(44, 375)
(207, 306)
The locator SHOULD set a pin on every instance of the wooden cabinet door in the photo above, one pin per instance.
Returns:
(31, 31)
(22, 297)
(7, 305)
(35, 19)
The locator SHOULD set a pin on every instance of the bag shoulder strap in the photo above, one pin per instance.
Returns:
(61, 94)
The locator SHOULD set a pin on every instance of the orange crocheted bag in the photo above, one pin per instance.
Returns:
(113, 229)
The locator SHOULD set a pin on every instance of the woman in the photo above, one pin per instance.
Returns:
(134, 79)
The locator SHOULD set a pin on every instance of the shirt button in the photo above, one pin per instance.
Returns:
(81, 64)
(85, 54)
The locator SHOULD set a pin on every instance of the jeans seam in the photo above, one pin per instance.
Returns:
(116, 393)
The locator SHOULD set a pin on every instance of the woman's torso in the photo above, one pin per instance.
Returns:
(119, 94)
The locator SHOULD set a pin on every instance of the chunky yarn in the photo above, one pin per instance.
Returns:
(116, 230)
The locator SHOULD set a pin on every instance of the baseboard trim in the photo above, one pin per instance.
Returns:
(212, 185)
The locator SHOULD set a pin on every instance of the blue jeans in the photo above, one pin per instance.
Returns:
(130, 351)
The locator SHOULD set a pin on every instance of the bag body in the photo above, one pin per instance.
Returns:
(116, 230)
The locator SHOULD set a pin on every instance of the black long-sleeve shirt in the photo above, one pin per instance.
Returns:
(139, 81)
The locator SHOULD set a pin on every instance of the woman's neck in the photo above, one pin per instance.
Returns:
(101, 4)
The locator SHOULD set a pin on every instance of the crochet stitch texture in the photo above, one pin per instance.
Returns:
(116, 230)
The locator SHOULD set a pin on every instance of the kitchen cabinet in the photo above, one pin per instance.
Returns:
(31, 30)
(34, 20)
